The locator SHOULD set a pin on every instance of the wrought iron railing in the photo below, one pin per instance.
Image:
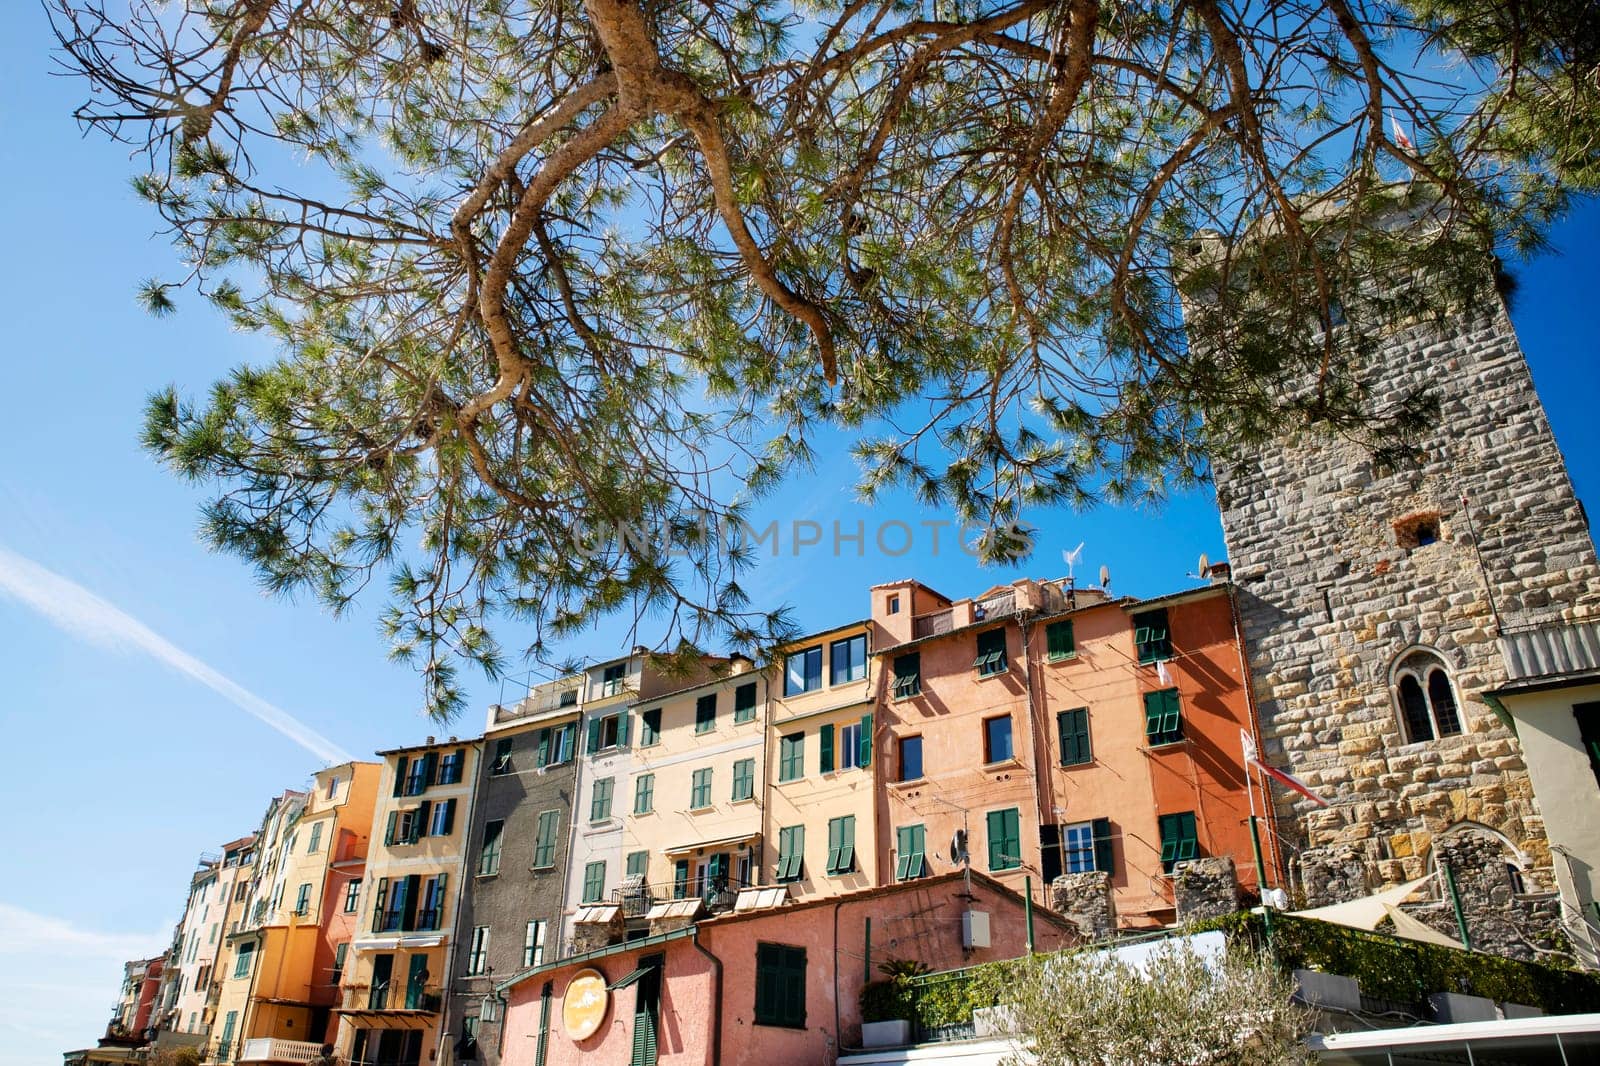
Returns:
(717, 893)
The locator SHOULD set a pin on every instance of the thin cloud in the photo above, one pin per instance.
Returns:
(80, 613)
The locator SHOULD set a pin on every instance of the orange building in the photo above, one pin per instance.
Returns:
(1047, 730)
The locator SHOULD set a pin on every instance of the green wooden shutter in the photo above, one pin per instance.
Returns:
(847, 844)
(592, 743)
(430, 768)
(624, 722)
(996, 826)
(449, 817)
(825, 744)
(1102, 845)
(1059, 642)
(379, 901)
(388, 833)
(864, 758)
(400, 776)
(544, 747)
(644, 1039)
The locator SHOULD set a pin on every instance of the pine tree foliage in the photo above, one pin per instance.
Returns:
(536, 270)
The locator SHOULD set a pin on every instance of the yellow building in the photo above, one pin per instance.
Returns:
(691, 805)
(277, 980)
(398, 961)
(819, 823)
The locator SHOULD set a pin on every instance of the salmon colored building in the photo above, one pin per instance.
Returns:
(820, 827)
(1058, 731)
(779, 985)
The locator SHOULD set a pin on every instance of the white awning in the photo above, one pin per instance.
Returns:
(762, 898)
(675, 908)
(599, 914)
(719, 842)
(1413, 929)
(1368, 911)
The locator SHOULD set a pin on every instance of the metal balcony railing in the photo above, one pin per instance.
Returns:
(718, 895)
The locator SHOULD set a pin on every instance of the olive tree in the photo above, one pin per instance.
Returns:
(1177, 1007)
(536, 269)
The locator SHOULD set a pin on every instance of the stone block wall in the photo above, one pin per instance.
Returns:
(1330, 596)
(1085, 900)
(1205, 888)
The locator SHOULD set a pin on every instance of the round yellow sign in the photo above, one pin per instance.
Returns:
(583, 1007)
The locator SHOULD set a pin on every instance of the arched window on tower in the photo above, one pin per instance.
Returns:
(1424, 696)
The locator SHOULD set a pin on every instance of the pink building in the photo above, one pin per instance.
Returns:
(778, 985)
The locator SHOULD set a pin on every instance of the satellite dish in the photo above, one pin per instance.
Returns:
(1205, 564)
(1105, 577)
(958, 847)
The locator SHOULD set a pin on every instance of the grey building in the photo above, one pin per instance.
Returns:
(1379, 603)
(515, 858)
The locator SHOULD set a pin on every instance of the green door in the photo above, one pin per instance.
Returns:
(416, 980)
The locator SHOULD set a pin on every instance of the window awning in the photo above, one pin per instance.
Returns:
(675, 908)
(629, 978)
(759, 899)
(719, 842)
(602, 913)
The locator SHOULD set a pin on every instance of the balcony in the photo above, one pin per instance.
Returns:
(636, 900)
(392, 997)
(1550, 650)
(271, 1049)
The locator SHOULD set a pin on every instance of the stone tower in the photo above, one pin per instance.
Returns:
(1375, 602)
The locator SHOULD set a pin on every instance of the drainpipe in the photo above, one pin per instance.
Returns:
(446, 983)
(716, 996)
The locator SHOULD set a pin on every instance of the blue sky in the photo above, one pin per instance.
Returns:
(145, 677)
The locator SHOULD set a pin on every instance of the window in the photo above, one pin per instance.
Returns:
(907, 675)
(608, 732)
(847, 660)
(849, 746)
(600, 799)
(802, 671)
(644, 793)
(450, 766)
(791, 852)
(1073, 728)
(431, 914)
(544, 841)
(594, 881)
(340, 952)
(638, 863)
(241, 962)
(1005, 839)
(417, 776)
(680, 879)
(744, 780)
(352, 896)
(1058, 640)
(1417, 530)
(533, 944)
(792, 757)
(781, 986)
(1588, 716)
(556, 743)
(315, 844)
(302, 899)
(894, 605)
(489, 858)
(841, 845)
(910, 850)
(650, 728)
(997, 739)
(910, 758)
(502, 756)
(705, 713)
(612, 679)
(744, 703)
(223, 1051)
(1086, 846)
(404, 827)
(478, 956)
(443, 819)
(700, 789)
(1150, 637)
(1163, 724)
(991, 658)
(1178, 840)
(1427, 699)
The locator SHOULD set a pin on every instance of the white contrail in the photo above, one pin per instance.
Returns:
(80, 613)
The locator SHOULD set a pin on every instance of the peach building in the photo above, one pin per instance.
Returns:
(690, 808)
(1052, 730)
(819, 818)
(780, 985)
(397, 964)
